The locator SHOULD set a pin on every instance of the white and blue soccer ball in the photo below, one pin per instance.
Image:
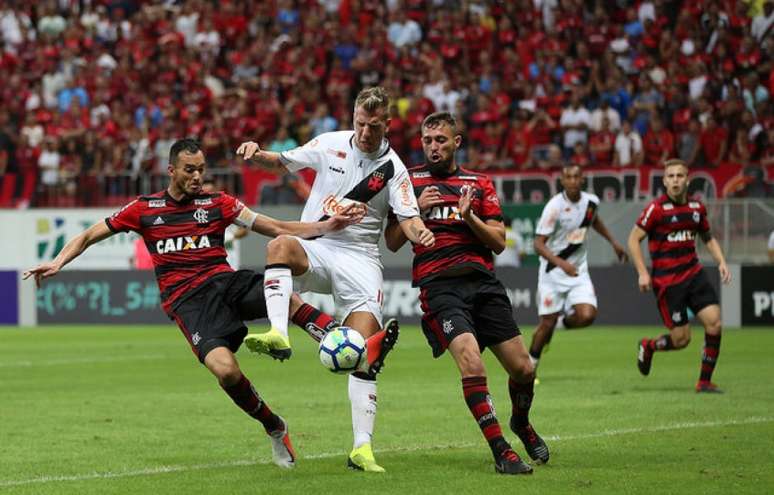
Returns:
(342, 350)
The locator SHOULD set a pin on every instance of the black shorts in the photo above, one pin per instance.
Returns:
(673, 302)
(213, 314)
(476, 303)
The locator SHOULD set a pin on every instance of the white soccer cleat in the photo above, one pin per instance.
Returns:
(282, 452)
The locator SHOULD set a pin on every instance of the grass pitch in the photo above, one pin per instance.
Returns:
(103, 410)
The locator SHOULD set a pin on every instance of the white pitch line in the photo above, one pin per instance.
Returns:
(416, 448)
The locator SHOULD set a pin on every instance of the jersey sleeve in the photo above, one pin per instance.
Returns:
(126, 219)
(704, 226)
(230, 207)
(547, 222)
(311, 155)
(402, 199)
(490, 204)
(649, 217)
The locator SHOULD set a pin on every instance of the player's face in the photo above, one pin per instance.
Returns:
(188, 174)
(370, 128)
(676, 181)
(439, 144)
(571, 180)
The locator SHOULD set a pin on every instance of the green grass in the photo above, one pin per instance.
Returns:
(95, 410)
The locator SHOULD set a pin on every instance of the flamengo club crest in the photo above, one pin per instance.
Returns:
(200, 215)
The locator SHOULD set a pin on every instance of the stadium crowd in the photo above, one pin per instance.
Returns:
(95, 92)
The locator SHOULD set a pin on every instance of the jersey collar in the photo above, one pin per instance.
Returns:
(384, 148)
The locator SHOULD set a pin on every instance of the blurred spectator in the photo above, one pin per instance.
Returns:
(713, 143)
(763, 22)
(48, 162)
(602, 144)
(580, 155)
(689, 145)
(628, 147)
(282, 142)
(575, 122)
(403, 31)
(658, 143)
(518, 145)
(605, 111)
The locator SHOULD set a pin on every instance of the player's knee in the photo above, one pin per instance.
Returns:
(713, 327)
(681, 339)
(227, 374)
(524, 370)
(279, 247)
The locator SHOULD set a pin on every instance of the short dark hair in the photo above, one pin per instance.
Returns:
(189, 145)
(566, 166)
(438, 119)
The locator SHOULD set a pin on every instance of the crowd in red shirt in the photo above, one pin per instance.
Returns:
(101, 89)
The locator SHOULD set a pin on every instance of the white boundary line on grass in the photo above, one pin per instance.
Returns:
(417, 448)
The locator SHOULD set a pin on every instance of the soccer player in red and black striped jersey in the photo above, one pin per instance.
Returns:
(671, 222)
(183, 229)
(466, 309)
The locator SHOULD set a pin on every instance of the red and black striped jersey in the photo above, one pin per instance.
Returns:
(184, 238)
(672, 230)
(456, 245)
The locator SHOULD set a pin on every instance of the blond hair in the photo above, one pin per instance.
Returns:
(673, 162)
(372, 99)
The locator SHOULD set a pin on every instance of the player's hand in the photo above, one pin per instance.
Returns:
(350, 215)
(425, 237)
(569, 268)
(41, 272)
(620, 253)
(248, 150)
(725, 275)
(430, 197)
(466, 201)
(644, 282)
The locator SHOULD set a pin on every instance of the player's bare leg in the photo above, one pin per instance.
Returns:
(583, 315)
(542, 336)
(710, 318)
(677, 338)
(521, 384)
(464, 349)
(285, 258)
(223, 364)
(362, 398)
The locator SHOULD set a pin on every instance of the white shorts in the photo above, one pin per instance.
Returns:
(558, 293)
(352, 277)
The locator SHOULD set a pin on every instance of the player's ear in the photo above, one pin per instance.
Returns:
(457, 141)
(170, 169)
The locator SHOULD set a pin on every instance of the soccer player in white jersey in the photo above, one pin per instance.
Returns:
(353, 167)
(564, 285)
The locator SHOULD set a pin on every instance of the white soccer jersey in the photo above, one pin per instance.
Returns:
(346, 174)
(566, 225)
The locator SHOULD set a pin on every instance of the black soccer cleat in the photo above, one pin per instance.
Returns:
(535, 446)
(381, 345)
(644, 357)
(509, 463)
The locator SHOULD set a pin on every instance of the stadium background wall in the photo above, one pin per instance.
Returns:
(131, 297)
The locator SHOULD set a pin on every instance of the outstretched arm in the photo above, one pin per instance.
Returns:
(272, 227)
(77, 245)
(268, 160)
(635, 238)
(393, 235)
(600, 227)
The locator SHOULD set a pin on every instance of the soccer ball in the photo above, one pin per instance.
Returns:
(342, 350)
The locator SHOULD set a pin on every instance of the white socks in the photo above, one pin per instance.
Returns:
(362, 397)
(277, 288)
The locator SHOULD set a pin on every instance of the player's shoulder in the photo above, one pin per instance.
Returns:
(419, 172)
(590, 197)
(555, 201)
(694, 203)
(466, 174)
(661, 203)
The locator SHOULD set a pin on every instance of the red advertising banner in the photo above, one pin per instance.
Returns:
(610, 184)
